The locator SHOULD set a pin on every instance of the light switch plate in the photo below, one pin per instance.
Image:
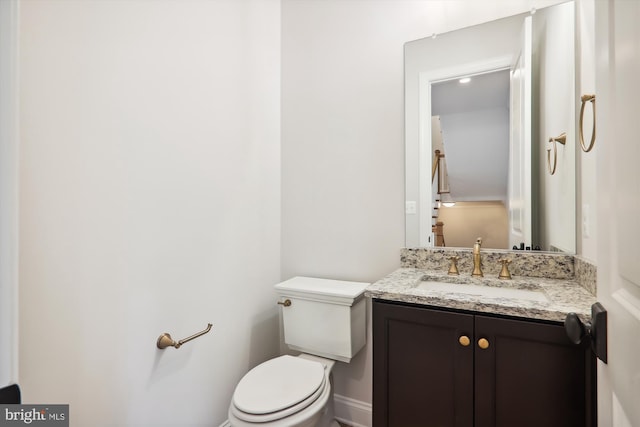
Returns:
(410, 207)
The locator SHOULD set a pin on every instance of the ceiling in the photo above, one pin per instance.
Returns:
(488, 90)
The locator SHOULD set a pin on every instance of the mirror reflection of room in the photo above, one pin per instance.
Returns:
(506, 196)
(470, 129)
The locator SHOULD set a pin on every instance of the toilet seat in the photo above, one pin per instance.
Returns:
(279, 388)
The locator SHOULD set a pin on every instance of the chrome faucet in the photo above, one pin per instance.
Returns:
(477, 261)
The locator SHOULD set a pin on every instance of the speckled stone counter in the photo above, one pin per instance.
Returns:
(586, 274)
(523, 263)
(562, 296)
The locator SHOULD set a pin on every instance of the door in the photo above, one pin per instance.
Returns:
(618, 129)
(520, 141)
(528, 374)
(422, 367)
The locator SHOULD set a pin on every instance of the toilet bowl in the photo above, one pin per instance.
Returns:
(285, 391)
(325, 320)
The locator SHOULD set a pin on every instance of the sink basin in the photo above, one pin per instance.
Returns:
(484, 291)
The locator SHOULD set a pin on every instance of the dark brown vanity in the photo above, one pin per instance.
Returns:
(439, 367)
(463, 351)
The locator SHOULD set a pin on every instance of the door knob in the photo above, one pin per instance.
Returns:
(595, 330)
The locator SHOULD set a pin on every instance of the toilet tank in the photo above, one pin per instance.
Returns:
(326, 317)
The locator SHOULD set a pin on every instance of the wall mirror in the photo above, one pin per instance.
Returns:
(489, 98)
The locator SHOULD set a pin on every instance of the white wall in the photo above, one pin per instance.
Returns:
(150, 203)
(554, 95)
(477, 155)
(587, 197)
(342, 147)
(8, 192)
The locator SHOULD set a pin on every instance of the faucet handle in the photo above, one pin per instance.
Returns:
(504, 273)
(453, 268)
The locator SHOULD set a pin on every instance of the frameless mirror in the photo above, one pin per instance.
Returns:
(493, 131)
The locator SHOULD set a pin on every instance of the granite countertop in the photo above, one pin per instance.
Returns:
(551, 299)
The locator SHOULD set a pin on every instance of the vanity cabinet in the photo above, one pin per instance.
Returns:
(435, 367)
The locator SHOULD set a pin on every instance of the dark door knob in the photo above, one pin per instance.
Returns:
(594, 330)
(577, 331)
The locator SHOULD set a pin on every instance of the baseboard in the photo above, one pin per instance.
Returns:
(352, 412)
(348, 411)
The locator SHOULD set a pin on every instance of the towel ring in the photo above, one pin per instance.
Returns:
(585, 99)
(562, 139)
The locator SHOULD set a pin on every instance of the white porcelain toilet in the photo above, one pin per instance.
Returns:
(326, 321)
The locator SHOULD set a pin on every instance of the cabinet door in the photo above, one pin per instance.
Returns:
(423, 376)
(531, 375)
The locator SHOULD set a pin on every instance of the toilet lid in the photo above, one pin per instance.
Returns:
(278, 384)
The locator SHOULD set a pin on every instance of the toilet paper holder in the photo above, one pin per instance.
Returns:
(165, 339)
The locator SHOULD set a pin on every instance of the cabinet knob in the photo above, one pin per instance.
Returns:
(464, 340)
(483, 343)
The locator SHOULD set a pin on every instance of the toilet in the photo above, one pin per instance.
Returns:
(324, 320)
